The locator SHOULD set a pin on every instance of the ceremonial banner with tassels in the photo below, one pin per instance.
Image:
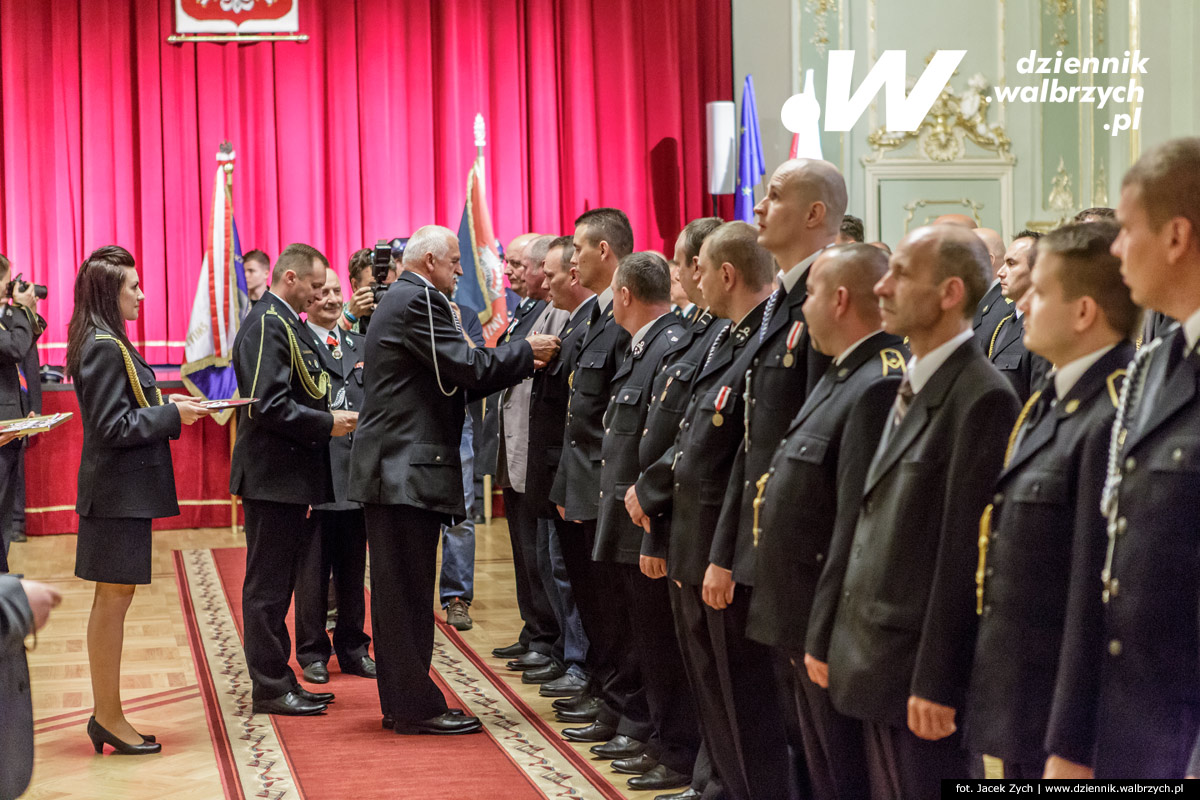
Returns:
(221, 299)
(481, 287)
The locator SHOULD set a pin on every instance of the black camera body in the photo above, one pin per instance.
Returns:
(18, 285)
(381, 263)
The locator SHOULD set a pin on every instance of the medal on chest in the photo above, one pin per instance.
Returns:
(718, 419)
(793, 338)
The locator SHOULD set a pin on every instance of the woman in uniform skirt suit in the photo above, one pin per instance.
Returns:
(125, 473)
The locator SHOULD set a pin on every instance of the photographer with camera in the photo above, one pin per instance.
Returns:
(20, 327)
(371, 272)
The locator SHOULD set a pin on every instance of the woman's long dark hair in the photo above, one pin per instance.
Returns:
(98, 287)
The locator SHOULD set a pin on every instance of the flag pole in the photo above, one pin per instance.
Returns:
(233, 499)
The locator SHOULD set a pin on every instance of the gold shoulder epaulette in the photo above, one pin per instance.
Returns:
(1115, 381)
(892, 360)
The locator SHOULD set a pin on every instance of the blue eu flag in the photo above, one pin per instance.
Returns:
(750, 167)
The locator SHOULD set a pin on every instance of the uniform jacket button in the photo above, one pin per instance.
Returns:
(998, 499)
(1114, 647)
(1130, 463)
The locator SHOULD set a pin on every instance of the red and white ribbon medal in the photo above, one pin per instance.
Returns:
(792, 339)
(718, 419)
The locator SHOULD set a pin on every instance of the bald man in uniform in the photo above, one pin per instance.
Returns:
(797, 219)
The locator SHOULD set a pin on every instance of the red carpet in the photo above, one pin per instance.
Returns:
(344, 753)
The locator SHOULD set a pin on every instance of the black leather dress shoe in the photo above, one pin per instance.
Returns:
(576, 717)
(687, 794)
(638, 765)
(389, 722)
(288, 705)
(575, 703)
(661, 777)
(512, 651)
(448, 724)
(324, 698)
(316, 672)
(620, 746)
(596, 732)
(530, 660)
(362, 667)
(567, 685)
(545, 674)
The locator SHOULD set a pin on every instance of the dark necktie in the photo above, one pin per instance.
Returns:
(595, 314)
(904, 398)
(717, 342)
(771, 302)
(1040, 402)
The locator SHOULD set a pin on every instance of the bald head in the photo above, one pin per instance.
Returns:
(856, 268)
(841, 307)
(959, 220)
(802, 210)
(994, 243)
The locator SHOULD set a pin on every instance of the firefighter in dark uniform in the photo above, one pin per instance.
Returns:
(689, 481)
(339, 541)
(1079, 316)
(1135, 652)
(280, 467)
(641, 306)
(817, 460)
(602, 238)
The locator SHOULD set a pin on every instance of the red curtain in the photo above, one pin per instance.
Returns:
(363, 132)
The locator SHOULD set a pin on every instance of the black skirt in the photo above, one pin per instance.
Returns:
(113, 550)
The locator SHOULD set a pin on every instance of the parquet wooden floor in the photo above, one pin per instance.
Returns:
(158, 680)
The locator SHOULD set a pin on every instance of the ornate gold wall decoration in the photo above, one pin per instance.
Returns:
(820, 10)
(1099, 7)
(965, 202)
(951, 121)
(1061, 198)
(1060, 9)
(1100, 186)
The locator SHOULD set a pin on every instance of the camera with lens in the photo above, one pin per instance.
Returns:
(18, 285)
(386, 253)
(381, 263)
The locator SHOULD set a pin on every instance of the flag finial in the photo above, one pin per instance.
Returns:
(480, 138)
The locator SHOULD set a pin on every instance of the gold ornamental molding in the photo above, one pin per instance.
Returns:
(965, 202)
(952, 121)
(1061, 198)
(1060, 9)
(820, 11)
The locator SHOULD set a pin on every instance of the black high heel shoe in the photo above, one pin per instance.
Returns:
(101, 737)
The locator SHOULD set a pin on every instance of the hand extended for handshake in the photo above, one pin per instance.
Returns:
(545, 348)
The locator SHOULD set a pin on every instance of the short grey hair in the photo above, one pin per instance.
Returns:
(428, 239)
(646, 276)
(537, 250)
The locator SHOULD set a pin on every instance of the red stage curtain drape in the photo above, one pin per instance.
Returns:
(365, 131)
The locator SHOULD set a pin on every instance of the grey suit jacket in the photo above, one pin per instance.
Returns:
(904, 622)
(16, 709)
(514, 409)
